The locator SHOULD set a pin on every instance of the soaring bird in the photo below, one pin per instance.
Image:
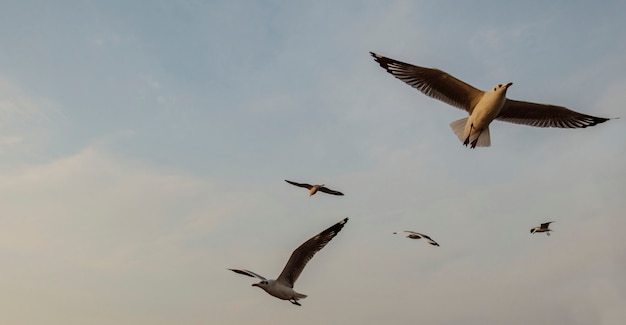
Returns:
(417, 235)
(314, 188)
(545, 227)
(282, 287)
(482, 106)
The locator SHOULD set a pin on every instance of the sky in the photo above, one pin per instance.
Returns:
(144, 148)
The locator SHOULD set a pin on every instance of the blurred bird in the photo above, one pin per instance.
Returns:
(416, 235)
(314, 188)
(545, 227)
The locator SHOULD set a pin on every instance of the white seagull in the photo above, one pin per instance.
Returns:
(314, 188)
(282, 287)
(482, 106)
(417, 235)
(545, 227)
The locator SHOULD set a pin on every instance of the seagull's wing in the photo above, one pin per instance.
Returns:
(433, 83)
(305, 252)
(329, 191)
(430, 240)
(299, 184)
(249, 273)
(544, 115)
(409, 234)
(546, 225)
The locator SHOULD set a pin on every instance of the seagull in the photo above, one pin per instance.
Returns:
(282, 287)
(314, 188)
(416, 235)
(483, 106)
(545, 227)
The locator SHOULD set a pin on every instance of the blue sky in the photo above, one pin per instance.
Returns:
(143, 148)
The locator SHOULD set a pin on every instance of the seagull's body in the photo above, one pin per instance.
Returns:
(282, 287)
(417, 235)
(483, 106)
(545, 227)
(314, 188)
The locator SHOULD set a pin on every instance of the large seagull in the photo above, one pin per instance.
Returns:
(482, 106)
(282, 287)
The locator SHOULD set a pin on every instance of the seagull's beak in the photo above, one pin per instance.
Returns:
(509, 85)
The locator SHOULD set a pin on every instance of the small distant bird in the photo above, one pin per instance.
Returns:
(314, 188)
(416, 235)
(483, 106)
(282, 287)
(545, 227)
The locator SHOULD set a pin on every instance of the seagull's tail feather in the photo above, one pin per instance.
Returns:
(458, 127)
(300, 296)
(484, 139)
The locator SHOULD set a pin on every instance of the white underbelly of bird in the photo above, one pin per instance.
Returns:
(474, 130)
(281, 291)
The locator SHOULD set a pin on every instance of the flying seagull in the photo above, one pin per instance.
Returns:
(282, 287)
(416, 235)
(314, 188)
(482, 106)
(545, 227)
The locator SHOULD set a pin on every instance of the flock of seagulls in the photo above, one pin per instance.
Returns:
(482, 106)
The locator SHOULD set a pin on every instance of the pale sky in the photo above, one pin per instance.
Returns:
(143, 148)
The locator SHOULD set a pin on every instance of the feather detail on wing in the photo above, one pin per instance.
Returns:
(303, 254)
(433, 83)
(544, 115)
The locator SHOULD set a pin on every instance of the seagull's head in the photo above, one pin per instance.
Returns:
(261, 284)
(502, 87)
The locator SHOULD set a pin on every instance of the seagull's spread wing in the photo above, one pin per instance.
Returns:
(305, 252)
(299, 184)
(249, 273)
(433, 83)
(329, 191)
(430, 240)
(544, 115)
(546, 225)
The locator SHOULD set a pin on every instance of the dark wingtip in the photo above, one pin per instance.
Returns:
(382, 61)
